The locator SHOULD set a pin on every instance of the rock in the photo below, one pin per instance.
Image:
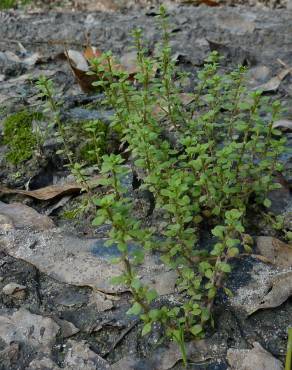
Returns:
(252, 359)
(15, 290)
(164, 283)
(77, 261)
(100, 301)
(22, 326)
(277, 252)
(79, 356)
(20, 216)
(67, 328)
(238, 24)
(65, 257)
(68, 298)
(43, 364)
(6, 223)
(9, 357)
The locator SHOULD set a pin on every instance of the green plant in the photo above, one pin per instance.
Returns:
(7, 4)
(203, 162)
(19, 136)
(224, 154)
(288, 363)
(94, 137)
(52, 107)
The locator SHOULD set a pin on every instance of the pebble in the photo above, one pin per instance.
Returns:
(15, 290)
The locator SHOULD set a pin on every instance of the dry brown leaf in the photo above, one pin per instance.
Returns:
(197, 2)
(91, 52)
(46, 193)
(274, 83)
(281, 290)
(80, 68)
(209, 2)
(277, 252)
(80, 65)
(51, 191)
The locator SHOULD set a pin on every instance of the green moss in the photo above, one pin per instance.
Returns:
(19, 137)
(7, 4)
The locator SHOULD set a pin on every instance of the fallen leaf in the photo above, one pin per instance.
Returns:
(77, 60)
(80, 65)
(91, 52)
(280, 291)
(209, 2)
(274, 83)
(256, 358)
(51, 191)
(285, 124)
(275, 251)
(80, 68)
(46, 193)
(197, 2)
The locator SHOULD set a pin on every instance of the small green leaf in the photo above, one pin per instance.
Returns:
(225, 267)
(196, 329)
(151, 295)
(135, 309)
(99, 220)
(267, 203)
(147, 328)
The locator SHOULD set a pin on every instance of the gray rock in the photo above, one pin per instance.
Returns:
(250, 359)
(77, 261)
(20, 216)
(15, 290)
(42, 364)
(80, 357)
(35, 330)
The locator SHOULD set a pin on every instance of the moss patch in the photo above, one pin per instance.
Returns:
(19, 137)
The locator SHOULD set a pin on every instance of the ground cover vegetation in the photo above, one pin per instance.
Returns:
(205, 162)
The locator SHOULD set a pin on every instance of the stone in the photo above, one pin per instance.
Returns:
(67, 328)
(250, 359)
(15, 290)
(35, 330)
(80, 356)
(77, 261)
(20, 216)
(44, 363)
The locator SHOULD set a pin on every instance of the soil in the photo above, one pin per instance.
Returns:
(84, 324)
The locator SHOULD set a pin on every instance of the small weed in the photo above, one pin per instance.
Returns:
(222, 155)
